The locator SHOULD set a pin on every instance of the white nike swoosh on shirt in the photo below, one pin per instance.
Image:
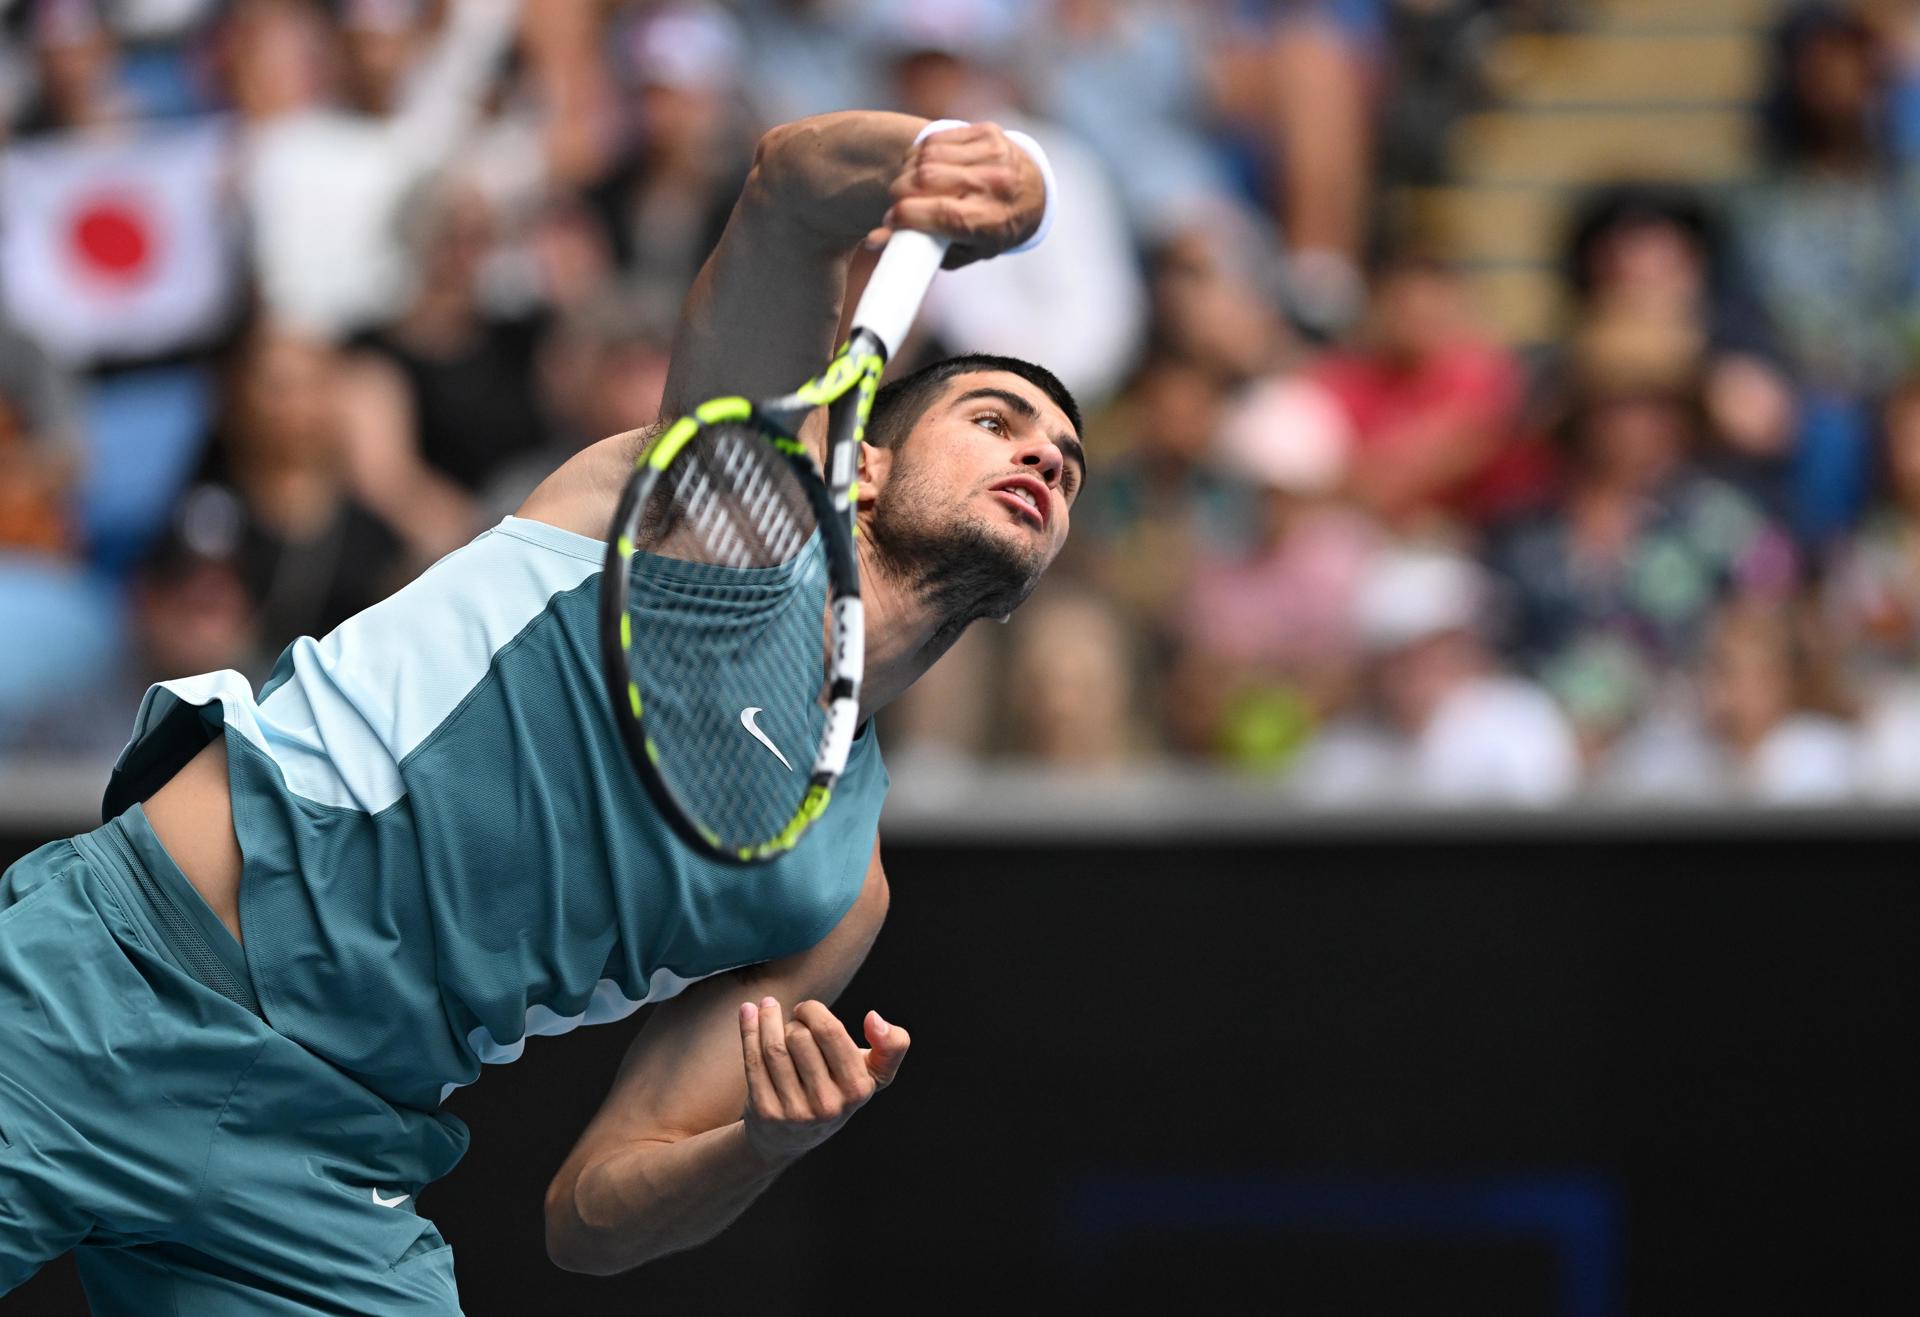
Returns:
(390, 1202)
(746, 721)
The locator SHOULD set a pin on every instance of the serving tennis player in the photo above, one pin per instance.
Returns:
(229, 1018)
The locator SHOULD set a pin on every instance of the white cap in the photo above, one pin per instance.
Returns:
(1410, 594)
(1290, 434)
(961, 28)
(687, 47)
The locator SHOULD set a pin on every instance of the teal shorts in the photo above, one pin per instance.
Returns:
(199, 1162)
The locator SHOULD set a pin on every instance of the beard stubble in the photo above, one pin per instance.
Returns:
(958, 567)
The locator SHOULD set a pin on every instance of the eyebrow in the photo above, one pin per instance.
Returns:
(1069, 446)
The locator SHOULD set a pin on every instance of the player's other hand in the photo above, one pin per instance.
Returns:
(970, 185)
(806, 1076)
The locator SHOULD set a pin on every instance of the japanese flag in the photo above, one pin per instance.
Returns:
(119, 246)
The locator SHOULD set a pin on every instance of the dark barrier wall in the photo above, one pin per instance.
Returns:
(1547, 1076)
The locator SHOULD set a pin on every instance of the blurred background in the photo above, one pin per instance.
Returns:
(1490, 403)
(1504, 422)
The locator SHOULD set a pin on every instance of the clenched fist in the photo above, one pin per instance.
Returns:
(971, 185)
(806, 1077)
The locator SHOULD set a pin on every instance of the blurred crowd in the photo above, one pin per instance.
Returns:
(297, 295)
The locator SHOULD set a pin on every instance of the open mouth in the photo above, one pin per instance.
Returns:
(1028, 496)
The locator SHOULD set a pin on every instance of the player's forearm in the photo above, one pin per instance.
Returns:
(651, 1199)
(762, 314)
(828, 175)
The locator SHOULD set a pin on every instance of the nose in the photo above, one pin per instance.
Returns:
(1043, 459)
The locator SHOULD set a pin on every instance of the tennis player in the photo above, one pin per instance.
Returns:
(229, 1018)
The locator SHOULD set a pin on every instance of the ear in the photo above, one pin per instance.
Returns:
(876, 464)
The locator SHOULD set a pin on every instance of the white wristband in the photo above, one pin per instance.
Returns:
(1034, 153)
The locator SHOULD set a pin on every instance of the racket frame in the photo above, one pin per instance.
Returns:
(846, 389)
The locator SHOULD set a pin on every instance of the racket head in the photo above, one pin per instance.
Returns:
(846, 389)
(731, 632)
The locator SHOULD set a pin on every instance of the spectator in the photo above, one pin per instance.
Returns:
(603, 371)
(1159, 502)
(187, 611)
(309, 554)
(1772, 705)
(47, 592)
(1432, 400)
(567, 254)
(504, 244)
(117, 234)
(1896, 27)
(1077, 304)
(1647, 262)
(690, 145)
(609, 372)
(1132, 81)
(560, 120)
(1615, 581)
(1071, 663)
(807, 57)
(39, 450)
(1448, 727)
(1873, 589)
(443, 400)
(1890, 744)
(1769, 725)
(77, 66)
(325, 183)
(1435, 51)
(192, 608)
(1297, 78)
(1267, 642)
(1216, 294)
(1828, 239)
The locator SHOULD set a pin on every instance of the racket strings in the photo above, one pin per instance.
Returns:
(728, 598)
(733, 501)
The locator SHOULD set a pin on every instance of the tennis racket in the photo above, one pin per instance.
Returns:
(731, 631)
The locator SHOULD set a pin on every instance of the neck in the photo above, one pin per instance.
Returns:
(906, 635)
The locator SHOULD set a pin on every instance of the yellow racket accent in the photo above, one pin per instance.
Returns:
(714, 412)
(811, 807)
(717, 410)
(668, 445)
(841, 374)
(847, 371)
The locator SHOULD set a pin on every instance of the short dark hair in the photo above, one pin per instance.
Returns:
(901, 402)
(1610, 209)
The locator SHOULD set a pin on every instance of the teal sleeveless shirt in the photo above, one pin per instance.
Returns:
(446, 850)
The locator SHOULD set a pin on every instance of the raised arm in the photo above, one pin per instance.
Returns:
(718, 1095)
(762, 314)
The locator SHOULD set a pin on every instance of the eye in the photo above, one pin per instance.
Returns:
(993, 421)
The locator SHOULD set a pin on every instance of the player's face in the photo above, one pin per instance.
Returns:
(999, 454)
(975, 503)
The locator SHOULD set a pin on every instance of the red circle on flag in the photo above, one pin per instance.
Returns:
(112, 239)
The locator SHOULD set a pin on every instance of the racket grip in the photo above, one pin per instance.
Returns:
(900, 279)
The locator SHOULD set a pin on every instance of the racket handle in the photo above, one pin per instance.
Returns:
(900, 279)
